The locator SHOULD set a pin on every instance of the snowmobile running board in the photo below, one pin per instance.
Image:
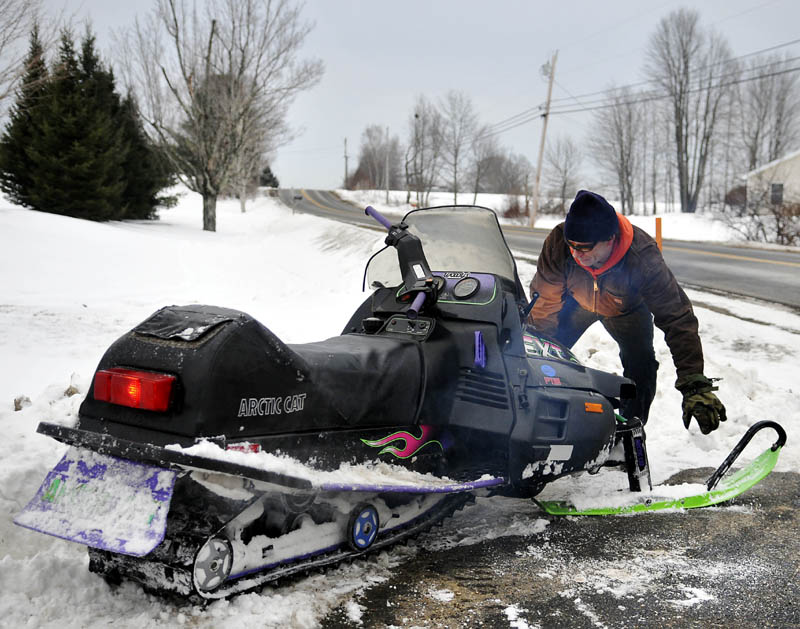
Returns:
(719, 489)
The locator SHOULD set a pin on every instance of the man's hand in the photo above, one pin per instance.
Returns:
(700, 402)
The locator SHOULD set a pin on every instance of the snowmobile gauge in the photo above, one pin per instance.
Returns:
(466, 288)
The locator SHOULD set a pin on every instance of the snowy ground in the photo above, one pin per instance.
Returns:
(674, 224)
(71, 287)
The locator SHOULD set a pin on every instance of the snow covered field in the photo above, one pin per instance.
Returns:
(71, 287)
(674, 224)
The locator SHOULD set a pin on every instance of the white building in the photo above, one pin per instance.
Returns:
(775, 183)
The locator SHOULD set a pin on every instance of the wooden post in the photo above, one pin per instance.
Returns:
(552, 72)
(659, 241)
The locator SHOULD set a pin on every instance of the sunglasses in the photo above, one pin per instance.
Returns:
(583, 247)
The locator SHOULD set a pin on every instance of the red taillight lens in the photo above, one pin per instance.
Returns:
(138, 389)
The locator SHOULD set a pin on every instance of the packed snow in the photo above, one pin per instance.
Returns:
(71, 287)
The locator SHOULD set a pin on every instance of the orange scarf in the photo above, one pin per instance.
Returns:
(621, 245)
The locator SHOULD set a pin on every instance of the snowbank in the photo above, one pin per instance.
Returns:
(674, 225)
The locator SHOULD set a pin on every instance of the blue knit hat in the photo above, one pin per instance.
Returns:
(590, 219)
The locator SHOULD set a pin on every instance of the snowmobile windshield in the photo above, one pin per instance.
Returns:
(454, 238)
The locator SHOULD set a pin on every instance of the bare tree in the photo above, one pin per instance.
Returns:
(423, 159)
(377, 150)
(506, 173)
(18, 18)
(247, 167)
(562, 161)
(769, 109)
(483, 149)
(694, 67)
(214, 77)
(616, 131)
(459, 127)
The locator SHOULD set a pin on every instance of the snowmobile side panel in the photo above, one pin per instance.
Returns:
(103, 502)
(728, 488)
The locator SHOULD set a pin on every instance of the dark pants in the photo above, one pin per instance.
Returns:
(633, 332)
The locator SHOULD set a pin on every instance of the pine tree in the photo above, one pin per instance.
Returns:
(74, 147)
(146, 169)
(268, 179)
(15, 162)
(79, 150)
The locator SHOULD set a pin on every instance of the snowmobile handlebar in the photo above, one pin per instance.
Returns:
(371, 211)
(417, 276)
(416, 306)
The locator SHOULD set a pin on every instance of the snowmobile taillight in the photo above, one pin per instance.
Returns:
(147, 390)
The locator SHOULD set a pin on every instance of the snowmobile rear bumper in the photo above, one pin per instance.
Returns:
(163, 457)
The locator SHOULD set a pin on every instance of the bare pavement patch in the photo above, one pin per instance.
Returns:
(737, 565)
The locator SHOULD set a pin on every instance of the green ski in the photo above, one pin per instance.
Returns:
(719, 489)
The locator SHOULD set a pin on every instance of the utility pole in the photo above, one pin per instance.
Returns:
(345, 163)
(386, 167)
(550, 68)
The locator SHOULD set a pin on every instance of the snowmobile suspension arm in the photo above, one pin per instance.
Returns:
(737, 449)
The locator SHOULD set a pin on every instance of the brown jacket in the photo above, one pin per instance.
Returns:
(640, 276)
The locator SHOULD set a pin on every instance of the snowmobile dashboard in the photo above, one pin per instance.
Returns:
(465, 288)
(459, 294)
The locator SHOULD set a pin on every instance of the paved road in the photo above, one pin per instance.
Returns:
(737, 565)
(764, 274)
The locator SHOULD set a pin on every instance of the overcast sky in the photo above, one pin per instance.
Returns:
(379, 55)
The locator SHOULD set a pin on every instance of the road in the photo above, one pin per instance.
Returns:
(764, 274)
(731, 566)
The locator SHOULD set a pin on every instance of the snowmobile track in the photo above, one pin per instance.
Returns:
(172, 571)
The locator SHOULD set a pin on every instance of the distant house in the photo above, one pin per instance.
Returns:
(776, 183)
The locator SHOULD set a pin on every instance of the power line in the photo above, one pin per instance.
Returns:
(646, 99)
(700, 69)
(699, 81)
(642, 98)
(528, 115)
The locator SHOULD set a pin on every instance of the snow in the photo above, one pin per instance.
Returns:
(674, 225)
(71, 287)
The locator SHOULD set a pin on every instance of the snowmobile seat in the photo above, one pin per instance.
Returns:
(372, 380)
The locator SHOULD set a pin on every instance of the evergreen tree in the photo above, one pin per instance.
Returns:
(79, 150)
(146, 169)
(268, 179)
(73, 146)
(15, 162)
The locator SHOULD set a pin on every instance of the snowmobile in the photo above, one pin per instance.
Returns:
(209, 457)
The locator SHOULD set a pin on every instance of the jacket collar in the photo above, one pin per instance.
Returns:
(621, 245)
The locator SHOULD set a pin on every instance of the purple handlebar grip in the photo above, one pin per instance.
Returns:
(371, 211)
(413, 311)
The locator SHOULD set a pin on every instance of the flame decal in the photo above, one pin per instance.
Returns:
(411, 446)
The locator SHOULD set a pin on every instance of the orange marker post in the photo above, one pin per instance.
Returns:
(659, 241)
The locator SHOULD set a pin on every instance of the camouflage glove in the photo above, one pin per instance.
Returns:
(699, 402)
